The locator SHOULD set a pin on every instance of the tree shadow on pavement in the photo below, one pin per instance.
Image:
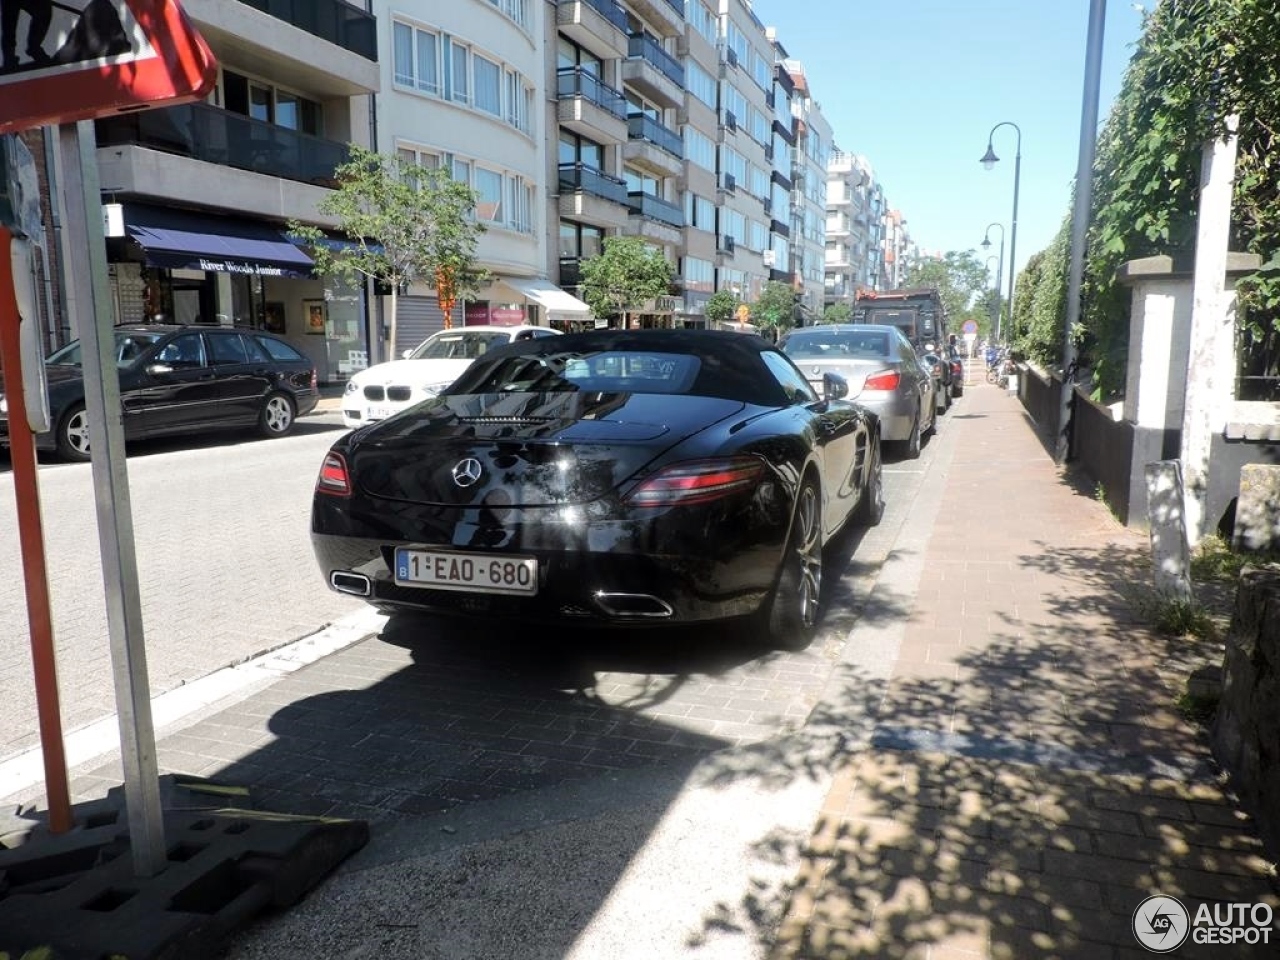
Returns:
(1022, 805)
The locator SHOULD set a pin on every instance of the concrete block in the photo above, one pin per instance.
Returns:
(1257, 527)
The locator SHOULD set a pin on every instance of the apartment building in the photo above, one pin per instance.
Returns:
(809, 158)
(855, 229)
(898, 250)
(196, 197)
(464, 87)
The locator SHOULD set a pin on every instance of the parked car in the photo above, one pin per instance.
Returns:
(385, 389)
(957, 371)
(610, 477)
(941, 371)
(181, 379)
(883, 371)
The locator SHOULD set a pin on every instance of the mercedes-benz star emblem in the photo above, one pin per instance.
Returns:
(466, 473)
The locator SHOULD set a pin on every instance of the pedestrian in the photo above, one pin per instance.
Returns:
(40, 14)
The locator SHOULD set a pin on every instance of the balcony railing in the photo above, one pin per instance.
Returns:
(577, 82)
(640, 46)
(642, 127)
(610, 10)
(579, 176)
(208, 133)
(655, 208)
(341, 23)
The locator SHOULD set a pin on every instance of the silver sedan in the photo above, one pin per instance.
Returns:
(884, 372)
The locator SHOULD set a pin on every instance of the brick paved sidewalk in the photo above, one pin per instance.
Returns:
(1030, 781)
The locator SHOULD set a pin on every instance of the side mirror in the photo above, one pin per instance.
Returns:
(834, 387)
(406, 354)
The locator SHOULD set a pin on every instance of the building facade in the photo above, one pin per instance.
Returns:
(855, 229)
(293, 90)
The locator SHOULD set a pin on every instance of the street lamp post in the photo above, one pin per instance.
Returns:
(986, 245)
(988, 161)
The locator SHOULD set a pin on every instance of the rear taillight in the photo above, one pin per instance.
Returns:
(698, 481)
(334, 479)
(884, 380)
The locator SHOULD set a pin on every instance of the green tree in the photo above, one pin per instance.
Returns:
(961, 281)
(773, 308)
(405, 222)
(623, 276)
(720, 307)
(837, 313)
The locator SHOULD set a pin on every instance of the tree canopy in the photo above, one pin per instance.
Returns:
(1198, 62)
(720, 307)
(962, 284)
(624, 276)
(774, 306)
(404, 222)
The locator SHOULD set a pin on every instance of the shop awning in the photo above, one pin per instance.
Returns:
(557, 302)
(178, 239)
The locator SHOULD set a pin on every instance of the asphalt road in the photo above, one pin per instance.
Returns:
(226, 572)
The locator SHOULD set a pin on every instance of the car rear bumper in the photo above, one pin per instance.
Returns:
(590, 573)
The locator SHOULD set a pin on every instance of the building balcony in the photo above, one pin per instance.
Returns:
(666, 17)
(593, 197)
(653, 147)
(325, 49)
(653, 72)
(653, 218)
(213, 135)
(589, 107)
(349, 27)
(598, 25)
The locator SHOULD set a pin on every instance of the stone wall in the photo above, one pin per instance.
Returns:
(1246, 732)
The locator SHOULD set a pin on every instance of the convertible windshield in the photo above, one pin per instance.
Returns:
(129, 346)
(462, 345)
(609, 371)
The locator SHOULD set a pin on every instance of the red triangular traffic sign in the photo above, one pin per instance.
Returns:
(81, 59)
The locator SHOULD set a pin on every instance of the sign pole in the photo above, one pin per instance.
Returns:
(91, 313)
(22, 452)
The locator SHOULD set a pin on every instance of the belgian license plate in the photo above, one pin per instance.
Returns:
(469, 572)
(380, 413)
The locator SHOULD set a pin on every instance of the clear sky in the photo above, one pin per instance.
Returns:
(917, 85)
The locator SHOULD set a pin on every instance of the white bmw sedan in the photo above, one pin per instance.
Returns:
(385, 389)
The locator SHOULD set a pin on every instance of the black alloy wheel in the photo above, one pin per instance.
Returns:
(790, 617)
(911, 445)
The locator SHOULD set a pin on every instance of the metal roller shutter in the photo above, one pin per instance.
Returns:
(416, 319)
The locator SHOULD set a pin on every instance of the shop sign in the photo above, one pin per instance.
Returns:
(507, 316)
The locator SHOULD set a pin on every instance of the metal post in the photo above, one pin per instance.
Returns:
(989, 160)
(986, 242)
(1080, 219)
(90, 299)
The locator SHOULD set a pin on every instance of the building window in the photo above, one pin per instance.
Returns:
(459, 72)
(488, 77)
(269, 104)
(416, 57)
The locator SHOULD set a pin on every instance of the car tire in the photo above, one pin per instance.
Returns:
(871, 506)
(790, 617)
(911, 445)
(277, 416)
(73, 434)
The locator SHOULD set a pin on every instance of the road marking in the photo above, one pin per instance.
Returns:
(21, 772)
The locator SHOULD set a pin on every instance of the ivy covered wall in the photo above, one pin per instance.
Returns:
(1197, 63)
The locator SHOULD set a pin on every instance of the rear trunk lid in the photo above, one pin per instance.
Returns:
(523, 449)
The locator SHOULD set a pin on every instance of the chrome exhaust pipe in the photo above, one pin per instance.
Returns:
(356, 584)
(633, 605)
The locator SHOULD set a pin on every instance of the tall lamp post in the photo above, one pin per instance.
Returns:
(986, 245)
(989, 160)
